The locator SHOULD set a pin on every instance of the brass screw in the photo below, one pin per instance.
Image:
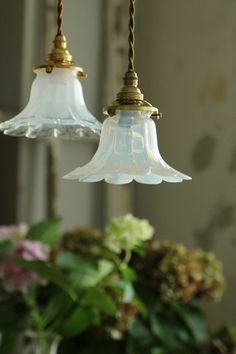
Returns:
(49, 69)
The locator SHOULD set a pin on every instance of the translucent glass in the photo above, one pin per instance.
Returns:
(56, 108)
(38, 343)
(128, 151)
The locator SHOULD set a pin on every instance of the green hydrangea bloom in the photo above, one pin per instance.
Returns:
(127, 232)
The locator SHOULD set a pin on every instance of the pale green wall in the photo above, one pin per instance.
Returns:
(186, 56)
(83, 25)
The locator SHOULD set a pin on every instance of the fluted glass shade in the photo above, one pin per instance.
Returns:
(128, 151)
(56, 108)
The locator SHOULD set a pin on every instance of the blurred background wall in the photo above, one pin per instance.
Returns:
(186, 56)
(186, 60)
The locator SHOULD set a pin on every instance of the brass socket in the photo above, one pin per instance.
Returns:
(130, 91)
(60, 57)
(59, 54)
(130, 98)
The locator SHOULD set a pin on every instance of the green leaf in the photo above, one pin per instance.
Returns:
(140, 331)
(197, 326)
(126, 287)
(97, 298)
(158, 351)
(128, 273)
(142, 308)
(78, 322)
(105, 268)
(166, 330)
(157, 327)
(50, 273)
(56, 309)
(128, 293)
(48, 232)
(84, 273)
(71, 262)
(194, 319)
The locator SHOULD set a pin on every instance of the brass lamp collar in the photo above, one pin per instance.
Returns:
(60, 57)
(130, 98)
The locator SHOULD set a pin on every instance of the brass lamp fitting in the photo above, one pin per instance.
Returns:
(130, 98)
(60, 57)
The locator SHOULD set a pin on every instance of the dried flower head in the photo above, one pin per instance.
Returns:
(116, 327)
(85, 241)
(176, 273)
(212, 283)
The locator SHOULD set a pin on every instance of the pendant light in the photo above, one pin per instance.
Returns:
(56, 107)
(128, 148)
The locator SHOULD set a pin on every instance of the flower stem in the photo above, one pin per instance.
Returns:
(127, 258)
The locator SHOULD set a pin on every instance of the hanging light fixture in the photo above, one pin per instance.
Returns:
(128, 148)
(56, 107)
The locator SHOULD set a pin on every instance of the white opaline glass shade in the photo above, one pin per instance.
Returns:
(128, 151)
(56, 108)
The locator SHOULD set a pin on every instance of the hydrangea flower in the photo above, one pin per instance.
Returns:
(127, 232)
(176, 273)
(85, 241)
(14, 277)
(13, 232)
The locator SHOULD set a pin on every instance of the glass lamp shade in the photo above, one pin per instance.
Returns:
(128, 151)
(56, 108)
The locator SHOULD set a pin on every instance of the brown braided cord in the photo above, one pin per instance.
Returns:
(131, 35)
(59, 17)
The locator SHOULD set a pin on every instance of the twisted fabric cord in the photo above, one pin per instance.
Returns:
(131, 35)
(59, 17)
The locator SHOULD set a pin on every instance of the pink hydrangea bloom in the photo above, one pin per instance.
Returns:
(15, 277)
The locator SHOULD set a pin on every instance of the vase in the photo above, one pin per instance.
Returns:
(35, 343)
